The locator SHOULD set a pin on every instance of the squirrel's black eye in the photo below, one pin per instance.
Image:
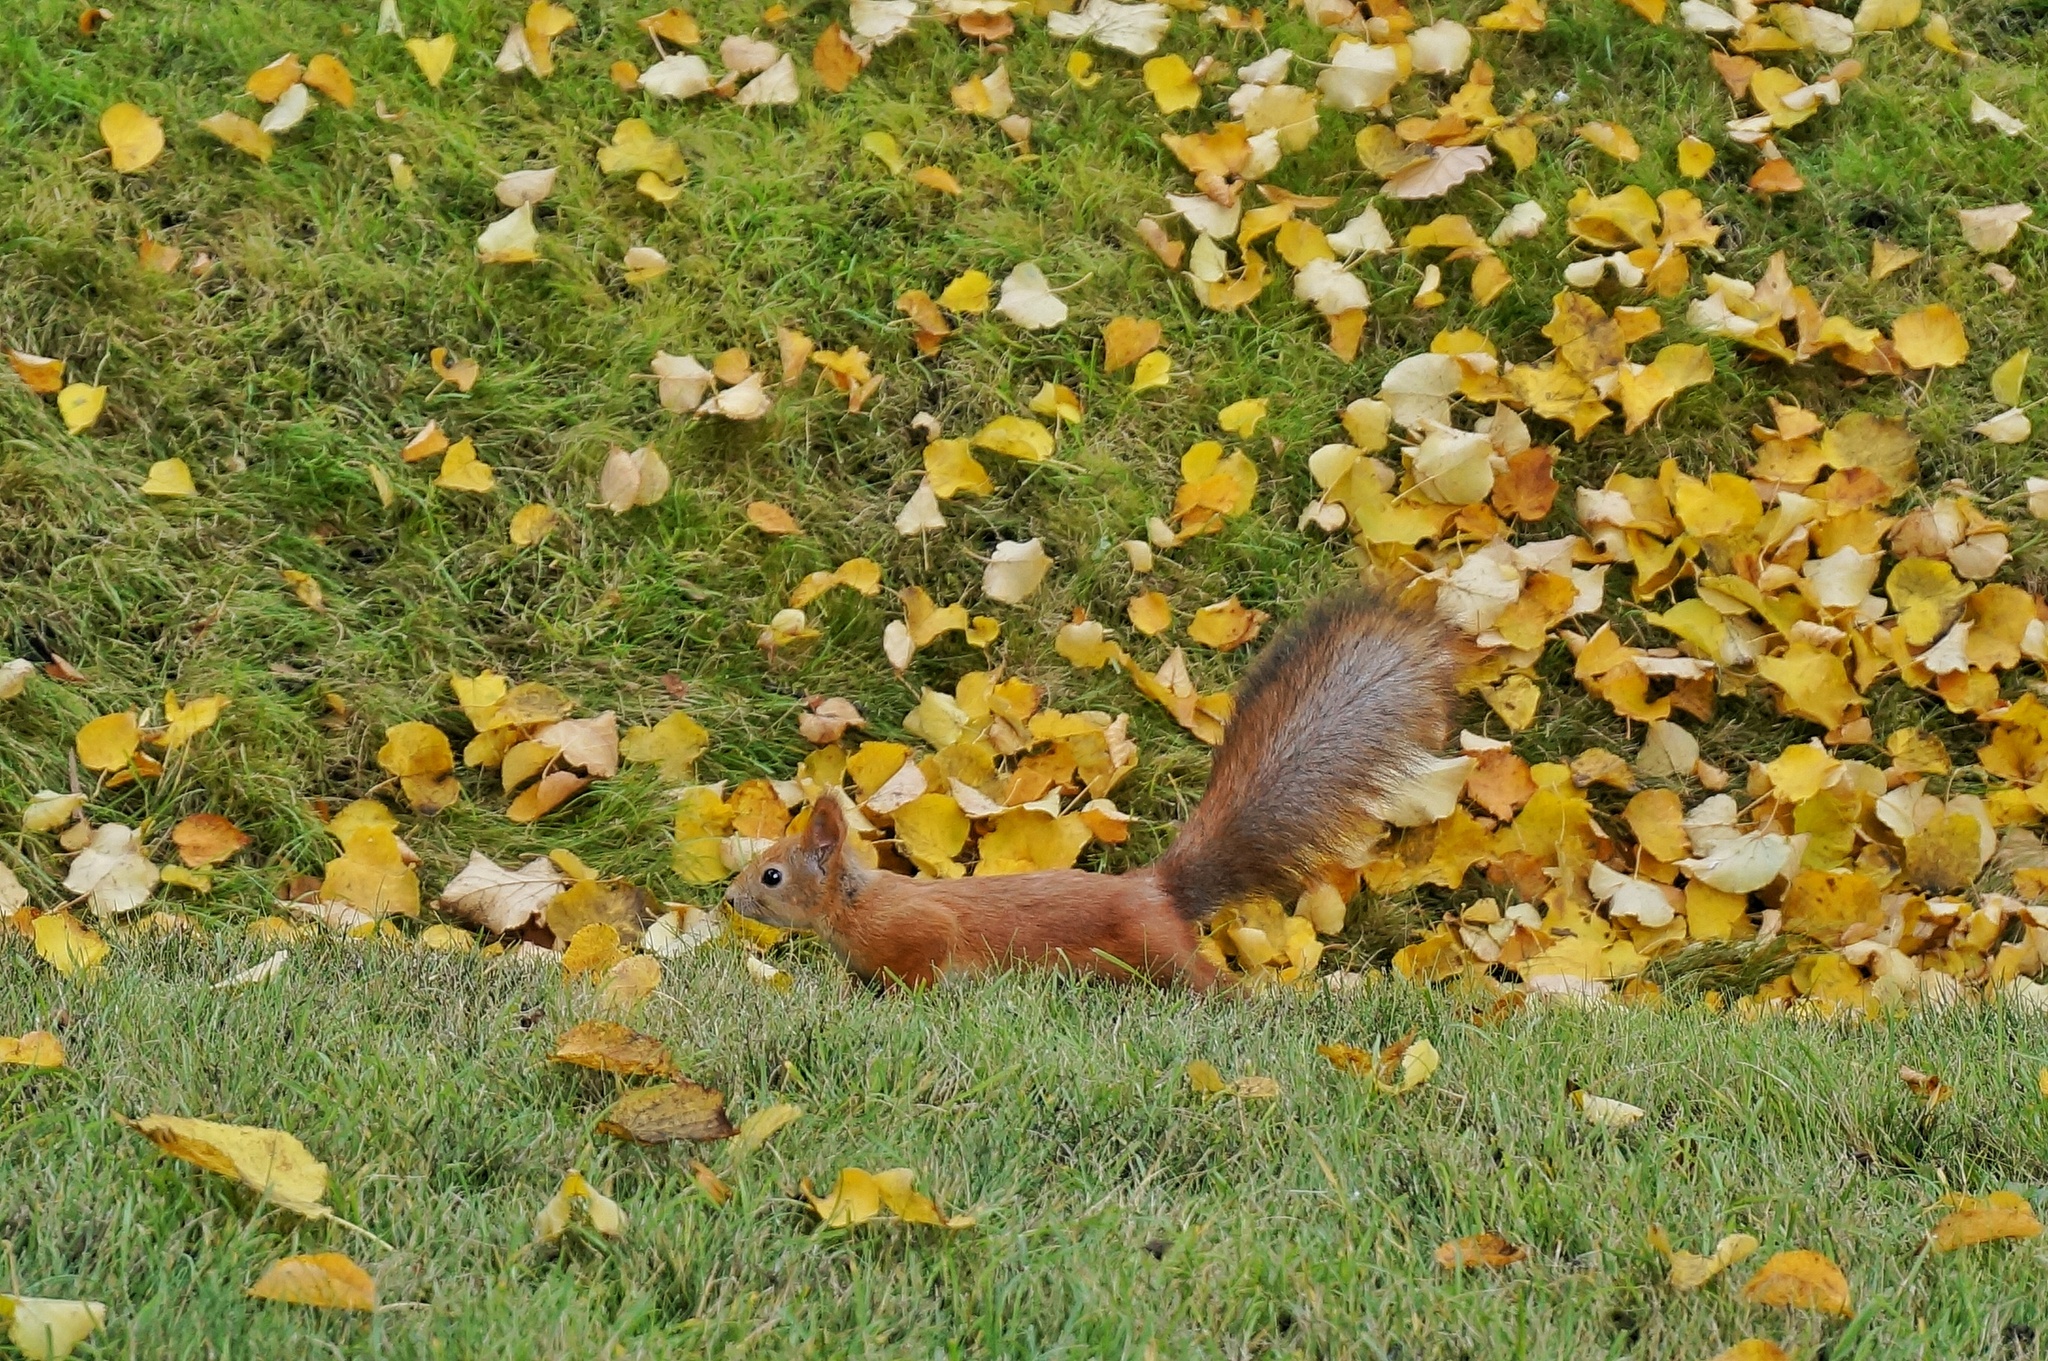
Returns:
(772, 877)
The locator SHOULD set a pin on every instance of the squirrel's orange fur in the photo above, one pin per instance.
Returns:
(1330, 718)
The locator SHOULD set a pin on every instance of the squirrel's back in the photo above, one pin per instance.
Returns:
(1337, 712)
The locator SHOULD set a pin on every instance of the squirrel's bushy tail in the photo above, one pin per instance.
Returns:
(1338, 711)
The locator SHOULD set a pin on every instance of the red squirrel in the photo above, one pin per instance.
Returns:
(1328, 721)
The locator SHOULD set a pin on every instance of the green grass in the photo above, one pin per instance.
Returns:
(1055, 1113)
(1120, 1213)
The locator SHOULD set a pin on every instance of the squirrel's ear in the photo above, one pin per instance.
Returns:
(826, 830)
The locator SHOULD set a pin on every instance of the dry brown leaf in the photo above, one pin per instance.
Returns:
(659, 1115)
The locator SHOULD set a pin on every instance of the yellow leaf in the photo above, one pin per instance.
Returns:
(1242, 417)
(1695, 158)
(576, 1194)
(1800, 1280)
(860, 1196)
(325, 1280)
(1690, 1271)
(371, 874)
(1150, 614)
(885, 149)
(954, 471)
(1612, 138)
(47, 1329)
(1885, 258)
(108, 743)
(326, 74)
(241, 134)
(1126, 340)
(970, 293)
(267, 1161)
(635, 148)
(609, 1047)
(1017, 437)
(43, 376)
(593, 949)
(183, 722)
(169, 477)
(269, 83)
(462, 470)
(1225, 625)
(1173, 85)
(433, 56)
(531, 524)
(66, 945)
(1079, 65)
(1882, 16)
(674, 744)
(2008, 380)
(80, 405)
(763, 1124)
(1931, 338)
(134, 138)
(1153, 371)
(36, 1049)
(511, 240)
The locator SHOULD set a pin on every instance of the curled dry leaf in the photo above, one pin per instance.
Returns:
(612, 1048)
(629, 479)
(1015, 571)
(860, 1196)
(578, 1195)
(1488, 1250)
(499, 899)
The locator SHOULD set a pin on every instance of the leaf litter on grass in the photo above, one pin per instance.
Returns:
(1830, 579)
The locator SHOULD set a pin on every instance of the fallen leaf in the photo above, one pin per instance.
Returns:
(1028, 299)
(47, 1329)
(66, 945)
(80, 405)
(511, 240)
(1605, 1111)
(267, 1161)
(1488, 1250)
(325, 1280)
(1015, 571)
(241, 134)
(134, 138)
(36, 1049)
(762, 1125)
(1800, 1280)
(433, 56)
(1931, 338)
(859, 1196)
(1990, 230)
(2002, 1214)
(659, 1115)
(577, 1195)
(612, 1048)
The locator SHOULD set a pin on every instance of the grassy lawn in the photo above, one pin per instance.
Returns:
(1119, 1211)
(1120, 1214)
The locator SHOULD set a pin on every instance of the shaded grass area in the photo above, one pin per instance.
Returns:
(1120, 1214)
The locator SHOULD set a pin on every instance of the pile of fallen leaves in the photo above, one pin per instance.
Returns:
(1812, 579)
